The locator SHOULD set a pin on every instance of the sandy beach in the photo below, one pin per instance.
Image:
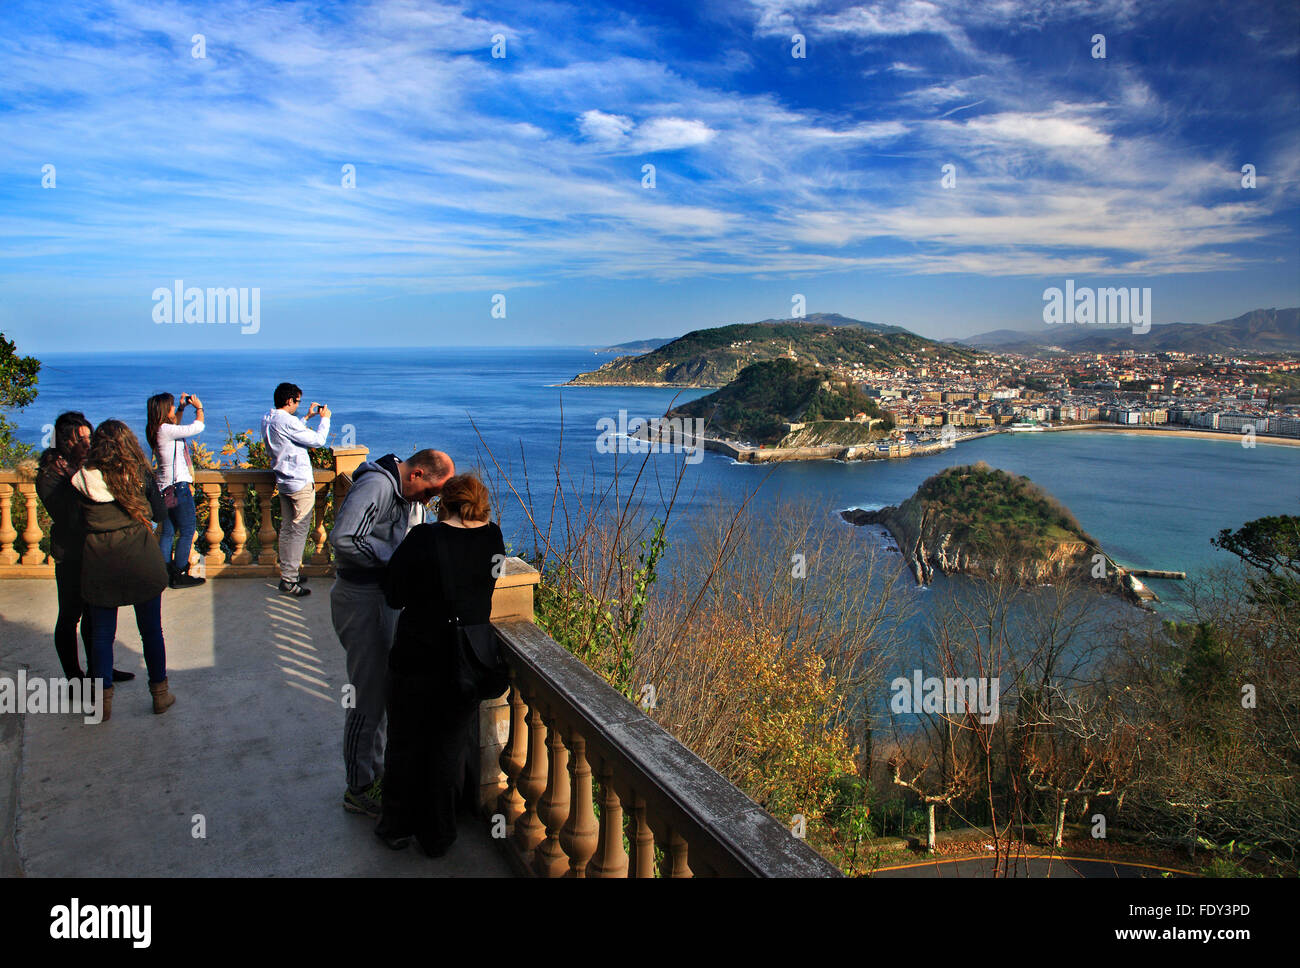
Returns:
(1156, 431)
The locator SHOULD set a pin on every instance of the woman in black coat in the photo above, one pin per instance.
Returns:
(430, 725)
(67, 534)
(122, 563)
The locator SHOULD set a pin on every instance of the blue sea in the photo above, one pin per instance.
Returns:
(1151, 502)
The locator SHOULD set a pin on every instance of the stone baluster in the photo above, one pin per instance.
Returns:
(215, 557)
(7, 533)
(549, 859)
(677, 852)
(266, 536)
(641, 838)
(239, 555)
(610, 859)
(580, 833)
(509, 803)
(33, 555)
(318, 534)
(529, 829)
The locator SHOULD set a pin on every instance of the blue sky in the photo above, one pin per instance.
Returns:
(522, 175)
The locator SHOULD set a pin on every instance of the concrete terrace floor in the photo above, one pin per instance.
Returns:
(254, 744)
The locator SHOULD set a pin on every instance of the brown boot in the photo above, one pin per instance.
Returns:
(162, 698)
(107, 704)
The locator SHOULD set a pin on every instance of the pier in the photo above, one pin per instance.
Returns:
(1157, 573)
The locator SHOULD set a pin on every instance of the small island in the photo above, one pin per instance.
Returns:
(978, 520)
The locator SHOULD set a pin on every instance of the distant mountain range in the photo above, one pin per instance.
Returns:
(1258, 331)
(714, 357)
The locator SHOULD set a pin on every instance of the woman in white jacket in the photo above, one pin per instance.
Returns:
(175, 475)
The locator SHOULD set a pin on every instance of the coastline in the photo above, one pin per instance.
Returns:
(657, 386)
(867, 451)
(1180, 432)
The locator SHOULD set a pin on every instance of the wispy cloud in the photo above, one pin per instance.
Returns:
(474, 171)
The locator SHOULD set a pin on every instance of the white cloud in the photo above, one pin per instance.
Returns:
(619, 133)
(1044, 131)
(473, 170)
(606, 130)
(666, 134)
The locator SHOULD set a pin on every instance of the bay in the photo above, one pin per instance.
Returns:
(1151, 502)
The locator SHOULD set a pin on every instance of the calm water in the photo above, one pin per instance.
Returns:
(1150, 502)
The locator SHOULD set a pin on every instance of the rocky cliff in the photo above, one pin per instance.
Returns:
(928, 545)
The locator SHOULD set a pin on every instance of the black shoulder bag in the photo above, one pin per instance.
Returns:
(480, 672)
(169, 497)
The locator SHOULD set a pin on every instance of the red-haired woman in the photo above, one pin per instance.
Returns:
(429, 723)
(121, 563)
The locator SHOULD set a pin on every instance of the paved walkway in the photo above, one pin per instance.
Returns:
(253, 745)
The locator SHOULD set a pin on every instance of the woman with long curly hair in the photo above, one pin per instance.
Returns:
(122, 564)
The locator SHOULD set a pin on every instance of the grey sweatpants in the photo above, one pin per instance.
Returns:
(365, 626)
(295, 522)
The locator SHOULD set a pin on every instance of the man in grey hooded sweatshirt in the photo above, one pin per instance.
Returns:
(386, 499)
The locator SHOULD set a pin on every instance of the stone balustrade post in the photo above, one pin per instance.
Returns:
(239, 555)
(580, 833)
(318, 534)
(549, 859)
(677, 852)
(509, 803)
(215, 557)
(32, 555)
(7, 533)
(346, 460)
(529, 828)
(610, 859)
(268, 553)
(512, 598)
(641, 838)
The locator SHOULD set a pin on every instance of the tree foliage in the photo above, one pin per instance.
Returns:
(18, 378)
(766, 396)
(989, 509)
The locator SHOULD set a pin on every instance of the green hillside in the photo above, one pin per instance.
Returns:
(714, 357)
(765, 396)
(989, 510)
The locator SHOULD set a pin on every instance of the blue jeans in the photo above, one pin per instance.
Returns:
(148, 619)
(179, 521)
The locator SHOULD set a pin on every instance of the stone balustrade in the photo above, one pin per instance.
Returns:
(582, 783)
(244, 549)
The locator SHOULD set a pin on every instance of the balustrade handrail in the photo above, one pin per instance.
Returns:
(726, 832)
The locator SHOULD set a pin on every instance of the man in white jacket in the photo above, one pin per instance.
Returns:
(287, 438)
